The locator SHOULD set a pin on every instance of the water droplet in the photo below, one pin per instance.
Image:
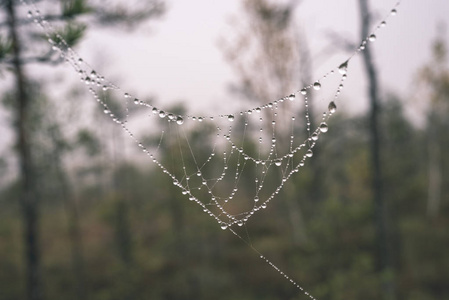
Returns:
(264, 205)
(278, 163)
(323, 127)
(106, 111)
(240, 223)
(224, 226)
(291, 97)
(136, 101)
(315, 137)
(162, 114)
(372, 38)
(126, 95)
(304, 91)
(309, 153)
(258, 109)
(273, 140)
(179, 120)
(394, 12)
(230, 118)
(30, 14)
(332, 107)
(383, 24)
(256, 199)
(343, 68)
(317, 86)
(200, 119)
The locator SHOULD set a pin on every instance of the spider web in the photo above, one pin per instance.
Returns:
(229, 174)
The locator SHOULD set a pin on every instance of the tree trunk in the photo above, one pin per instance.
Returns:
(29, 198)
(435, 178)
(380, 213)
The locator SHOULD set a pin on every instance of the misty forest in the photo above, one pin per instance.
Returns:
(359, 210)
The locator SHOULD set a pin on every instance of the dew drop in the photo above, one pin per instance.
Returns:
(30, 14)
(309, 153)
(126, 95)
(230, 118)
(240, 223)
(372, 38)
(383, 24)
(394, 12)
(343, 68)
(256, 199)
(198, 174)
(315, 137)
(323, 127)
(273, 140)
(278, 163)
(264, 205)
(155, 110)
(136, 101)
(179, 120)
(162, 114)
(332, 107)
(224, 226)
(317, 86)
(258, 109)
(304, 91)
(291, 97)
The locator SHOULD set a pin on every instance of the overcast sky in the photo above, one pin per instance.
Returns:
(177, 58)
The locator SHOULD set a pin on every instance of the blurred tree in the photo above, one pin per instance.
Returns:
(434, 85)
(381, 213)
(13, 55)
(271, 58)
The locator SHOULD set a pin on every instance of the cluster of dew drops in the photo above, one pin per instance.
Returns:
(92, 78)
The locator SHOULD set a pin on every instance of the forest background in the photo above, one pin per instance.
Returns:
(83, 215)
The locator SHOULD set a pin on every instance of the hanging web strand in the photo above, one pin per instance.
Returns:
(236, 179)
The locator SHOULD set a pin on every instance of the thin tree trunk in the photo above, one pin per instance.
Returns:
(29, 198)
(380, 213)
(434, 181)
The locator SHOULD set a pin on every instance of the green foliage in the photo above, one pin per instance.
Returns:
(170, 243)
(73, 8)
(5, 47)
(72, 33)
(88, 141)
